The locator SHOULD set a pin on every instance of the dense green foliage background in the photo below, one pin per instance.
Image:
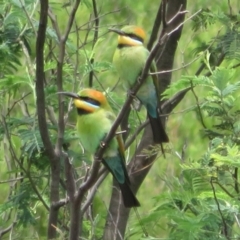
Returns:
(194, 192)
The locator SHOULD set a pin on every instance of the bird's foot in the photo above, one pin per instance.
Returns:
(136, 104)
(139, 80)
(131, 93)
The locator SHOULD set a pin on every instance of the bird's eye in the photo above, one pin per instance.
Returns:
(133, 36)
(90, 100)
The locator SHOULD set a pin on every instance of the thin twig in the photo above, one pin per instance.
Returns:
(77, 56)
(225, 229)
(94, 189)
(95, 38)
(28, 17)
(198, 105)
(230, 8)
(11, 180)
(54, 23)
(17, 101)
(51, 115)
(7, 229)
(155, 29)
(70, 182)
(182, 23)
(224, 189)
(70, 21)
(94, 19)
(203, 65)
(175, 69)
(135, 134)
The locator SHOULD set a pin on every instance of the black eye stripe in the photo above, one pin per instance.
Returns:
(82, 111)
(133, 36)
(90, 100)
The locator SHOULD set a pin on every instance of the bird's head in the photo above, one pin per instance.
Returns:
(130, 35)
(87, 100)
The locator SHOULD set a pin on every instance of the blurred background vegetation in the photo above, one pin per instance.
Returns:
(193, 193)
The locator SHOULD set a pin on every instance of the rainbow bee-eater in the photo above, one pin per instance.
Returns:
(129, 60)
(94, 120)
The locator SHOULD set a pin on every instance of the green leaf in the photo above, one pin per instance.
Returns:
(221, 76)
(231, 88)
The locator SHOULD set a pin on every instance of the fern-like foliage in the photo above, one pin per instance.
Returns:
(13, 33)
(206, 204)
(226, 43)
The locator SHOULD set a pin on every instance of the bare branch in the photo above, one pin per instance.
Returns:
(41, 106)
(70, 21)
(54, 23)
(175, 69)
(136, 133)
(94, 189)
(70, 182)
(95, 38)
(180, 25)
(155, 29)
(17, 101)
(8, 229)
(12, 180)
(51, 115)
(40, 76)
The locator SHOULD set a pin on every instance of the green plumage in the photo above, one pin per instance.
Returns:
(129, 62)
(129, 59)
(93, 127)
(93, 124)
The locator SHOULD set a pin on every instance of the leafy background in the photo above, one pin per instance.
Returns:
(194, 192)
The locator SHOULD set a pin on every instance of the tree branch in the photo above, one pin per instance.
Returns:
(95, 38)
(7, 229)
(141, 164)
(155, 29)
(40, 78)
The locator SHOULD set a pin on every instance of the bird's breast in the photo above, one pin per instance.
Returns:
(129, 62)
(92, 129)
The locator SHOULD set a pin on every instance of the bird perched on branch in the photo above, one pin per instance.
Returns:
(129, 60)
(94, 121)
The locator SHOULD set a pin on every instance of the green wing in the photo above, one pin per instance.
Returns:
(153, 69)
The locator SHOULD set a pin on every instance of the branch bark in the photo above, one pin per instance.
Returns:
(54, 155)
(166, 60)
(42, 122)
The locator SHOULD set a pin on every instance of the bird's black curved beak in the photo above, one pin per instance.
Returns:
(119, 32)
(69, 94)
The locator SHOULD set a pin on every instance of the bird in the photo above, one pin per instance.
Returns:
(94, 120)
(129, 59)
